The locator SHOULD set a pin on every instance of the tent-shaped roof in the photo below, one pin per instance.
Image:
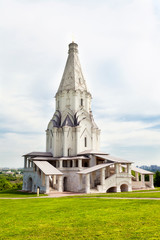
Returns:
(113, 159)
(140, 170)
(38, 154)
(47, 168)
(73, 77)
(92, 152)
(94, 168)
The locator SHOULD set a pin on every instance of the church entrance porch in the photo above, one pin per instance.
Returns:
(141, 179)
(106, 177)
(50, 178)
(95, 177)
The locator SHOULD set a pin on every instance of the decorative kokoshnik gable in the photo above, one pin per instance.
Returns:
(73, 161)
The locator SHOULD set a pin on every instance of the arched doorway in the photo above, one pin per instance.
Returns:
(124, 188)
(65, 184)
(112, 189)
(29, 185)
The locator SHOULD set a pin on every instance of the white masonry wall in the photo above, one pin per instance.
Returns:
(37, 181)
(66, 139)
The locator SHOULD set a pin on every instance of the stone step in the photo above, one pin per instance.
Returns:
(51, 190)
(93, 190)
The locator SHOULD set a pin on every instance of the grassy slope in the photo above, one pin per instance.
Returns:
(75, 218)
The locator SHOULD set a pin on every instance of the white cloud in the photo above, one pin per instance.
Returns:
(129, 133)
(120, 55)
(13, 146)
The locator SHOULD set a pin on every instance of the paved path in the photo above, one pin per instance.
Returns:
(66, 194)
(134, 198)
(52, 195)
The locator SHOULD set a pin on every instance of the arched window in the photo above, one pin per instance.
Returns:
(81, 102)
(85, 142)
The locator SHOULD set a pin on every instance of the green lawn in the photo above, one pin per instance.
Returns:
(147, 193)
(78, 218)
(13, 193)
(150, 190)
(124, 195)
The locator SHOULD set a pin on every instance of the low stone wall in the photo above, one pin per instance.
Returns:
(31, 180)
(138, 184)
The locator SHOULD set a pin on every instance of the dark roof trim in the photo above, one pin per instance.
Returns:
(38, 154)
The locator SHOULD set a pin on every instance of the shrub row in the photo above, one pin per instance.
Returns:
(6, 185)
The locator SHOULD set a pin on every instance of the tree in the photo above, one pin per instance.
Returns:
(157, 179)
(4, 184)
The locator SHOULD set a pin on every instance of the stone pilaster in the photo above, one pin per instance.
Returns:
(80, 181)
(73, 163)
(57, 164)
(87, 187)
(60, 163)
(47, 183)
(128, 168)
(80, 163)
(117, 168)
(142, 178)
(65, 145)
(54, 142)
(118, 189)
(60, 183)
(137, 176)
(77, 139)
(151, 181)
(54, 179)
(25, 162)
(103, 178)
(68, 163)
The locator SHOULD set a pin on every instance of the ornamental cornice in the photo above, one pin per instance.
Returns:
(63, 92)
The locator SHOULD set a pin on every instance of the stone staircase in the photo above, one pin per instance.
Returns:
(52, 190)
(94, 190)
(109, 182)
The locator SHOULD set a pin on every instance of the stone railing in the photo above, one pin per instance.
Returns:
(123, 175)
(109, 182)
(138, 184)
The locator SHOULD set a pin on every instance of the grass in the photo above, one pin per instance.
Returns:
(147, 194)
(150, 190)
(77, 218)
(13, 193)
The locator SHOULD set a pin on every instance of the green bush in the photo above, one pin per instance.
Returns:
(8, 182)
(17, 186)
(4, 184)
(157, 179)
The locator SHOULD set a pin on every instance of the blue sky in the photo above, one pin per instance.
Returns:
(119, 52)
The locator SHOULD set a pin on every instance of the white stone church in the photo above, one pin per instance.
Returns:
(73, 161)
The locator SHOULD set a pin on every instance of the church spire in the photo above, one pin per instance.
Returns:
(72, 78)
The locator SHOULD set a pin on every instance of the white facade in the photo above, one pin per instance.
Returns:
(73, 161)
